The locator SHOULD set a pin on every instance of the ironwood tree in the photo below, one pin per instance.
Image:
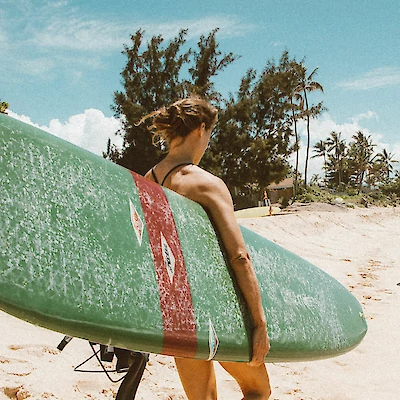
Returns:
(157, 76)
(254, 136)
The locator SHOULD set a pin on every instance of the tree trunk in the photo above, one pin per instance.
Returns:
(297, 150)
(308, 140)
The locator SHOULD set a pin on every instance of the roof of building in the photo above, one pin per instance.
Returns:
(285, 184)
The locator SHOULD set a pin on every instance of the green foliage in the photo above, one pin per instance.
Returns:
(385, 162)
(359, 158)
(352, 169)
(253, 139)
(378, 198)
(208, 62)
(314, 194)
(392, 187)
(3, 107)
(150, 79)
(353, 165)
(254, 135)
(351, 197)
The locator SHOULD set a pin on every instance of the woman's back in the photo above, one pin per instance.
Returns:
(186, 126)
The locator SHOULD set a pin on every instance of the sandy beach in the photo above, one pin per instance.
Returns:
(356, 246)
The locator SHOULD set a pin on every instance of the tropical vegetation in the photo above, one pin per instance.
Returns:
(254, 136)
(355, 164)
(257, 129)
(355, 169)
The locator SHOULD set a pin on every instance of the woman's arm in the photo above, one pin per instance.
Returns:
(214, 196)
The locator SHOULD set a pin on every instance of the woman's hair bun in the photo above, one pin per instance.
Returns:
(175, 114)
(180, 118)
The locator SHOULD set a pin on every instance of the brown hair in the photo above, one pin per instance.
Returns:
(180, 118)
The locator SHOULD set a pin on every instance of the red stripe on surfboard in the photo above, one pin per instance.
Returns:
(176, 304)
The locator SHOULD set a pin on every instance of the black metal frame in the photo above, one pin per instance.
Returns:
(131, 362)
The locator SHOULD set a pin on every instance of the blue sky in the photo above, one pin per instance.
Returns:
(61, 60)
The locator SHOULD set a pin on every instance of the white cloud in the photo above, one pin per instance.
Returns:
(38, 66)
(229, 26)
(321, 128)
(277, 43)
(4, 46)
(58, 4)
(89, 130)
(396, 154)
(24, 118)
(66, 32)
(379, 77)
(367, 115)
(78, 34)
(57, 37)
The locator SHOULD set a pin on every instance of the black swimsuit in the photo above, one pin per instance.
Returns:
(169, 172)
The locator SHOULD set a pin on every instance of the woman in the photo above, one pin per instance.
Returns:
(186, 128)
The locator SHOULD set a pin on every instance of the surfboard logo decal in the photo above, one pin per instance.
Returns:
(169, 259)
(213, 341)
(137, 222)
(176, 303)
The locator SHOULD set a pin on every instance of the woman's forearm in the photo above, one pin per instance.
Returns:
(248, 284)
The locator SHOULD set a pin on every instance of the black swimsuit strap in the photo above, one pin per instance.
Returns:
(172, 170)
(154, 175)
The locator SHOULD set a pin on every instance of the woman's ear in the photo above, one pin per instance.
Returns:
(202, 128)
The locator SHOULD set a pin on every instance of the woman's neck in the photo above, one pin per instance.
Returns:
(184, 152)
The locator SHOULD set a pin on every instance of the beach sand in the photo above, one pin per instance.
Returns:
(359, 247)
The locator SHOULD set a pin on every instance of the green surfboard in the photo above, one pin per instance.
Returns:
(92, 250)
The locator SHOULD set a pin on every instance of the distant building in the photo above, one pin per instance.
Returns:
(282, 190)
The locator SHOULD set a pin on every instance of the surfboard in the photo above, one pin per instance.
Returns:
(93, 250)
(256, 212)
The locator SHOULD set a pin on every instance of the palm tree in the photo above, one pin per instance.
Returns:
(295, 71)
(336, 149)
(321, 150)
(386, 160)
(308, 85)
(360, 156)
(296, 97)
(314, 179)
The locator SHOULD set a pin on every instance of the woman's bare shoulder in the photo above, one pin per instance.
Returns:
(204, 187)
(204, 177)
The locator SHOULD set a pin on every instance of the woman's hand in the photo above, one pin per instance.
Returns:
(261, 346)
